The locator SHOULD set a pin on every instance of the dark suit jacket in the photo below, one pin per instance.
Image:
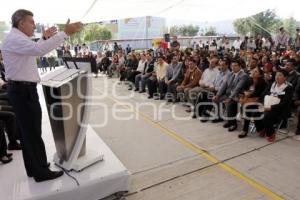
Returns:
(297, 90)
(283, 108)
(292, 79)
(259, 88)
(232, 87)
(149, 67)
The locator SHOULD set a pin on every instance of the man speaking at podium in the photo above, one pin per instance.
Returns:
(19, 55)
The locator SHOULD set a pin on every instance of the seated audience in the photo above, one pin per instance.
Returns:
(141, 79)
(249, 101)
(139, 70)
(174, 77)
(191, 79)
(203, 107)
(274, 112)
(158, 79)
(229, 93)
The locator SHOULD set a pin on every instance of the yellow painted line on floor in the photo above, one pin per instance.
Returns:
(203, 153)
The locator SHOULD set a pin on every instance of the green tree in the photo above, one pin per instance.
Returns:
(93, 32)
(89, 33)
(290, 25)
(210, 31)
(242, 26)
(184, 30)
(263, 23)
(3, 28)
(75, 38)
(174, 30)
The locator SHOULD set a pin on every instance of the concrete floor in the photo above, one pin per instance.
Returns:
(186, 159)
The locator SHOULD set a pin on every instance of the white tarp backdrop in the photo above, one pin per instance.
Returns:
(57, 11)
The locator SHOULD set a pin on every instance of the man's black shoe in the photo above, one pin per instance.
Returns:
(48, 165)
(136, 89)
(29, 174)
(49, 175)
(5, 159)
(204, 120)
(14, 146)
(226, 125)
(232, 128)
(9, 155)
(217, 120)
(143, 91)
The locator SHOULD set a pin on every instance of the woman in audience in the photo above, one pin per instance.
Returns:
(113, 66)
(130, 65)
(281, 91)
(250, 99)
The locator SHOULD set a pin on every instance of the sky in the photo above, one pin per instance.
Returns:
(58, 11)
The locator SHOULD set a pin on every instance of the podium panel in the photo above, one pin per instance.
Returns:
(65, 132)
(65, 90)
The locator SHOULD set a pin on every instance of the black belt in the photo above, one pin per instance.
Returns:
(11, 82)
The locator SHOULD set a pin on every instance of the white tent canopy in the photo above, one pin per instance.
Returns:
(58, 11)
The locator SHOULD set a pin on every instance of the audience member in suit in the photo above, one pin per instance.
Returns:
(2, 70)
(174, 77)
(250, 99)
(141, 79)
(293, 74)
(105, 63)
(191, 78)
(139, 70)
(230, 91)
(205, 82)
(296, 100)
(4, 156)
(282, 90)
(7, 116)
(202, 106)
(158, 79)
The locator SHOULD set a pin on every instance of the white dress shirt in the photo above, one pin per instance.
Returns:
(161, 70)
(20, 54)
(237, 44)
(208, 77)
(141, 66)
(282, 39)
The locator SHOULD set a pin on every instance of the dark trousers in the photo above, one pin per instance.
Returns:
(9, 120)
(25, 101)
(204, 105)
(131, 76)
(171, 91)
(141, 81)
(232, 109)
(152, 86)
(257, 117)
(162, 88)
(3, 144)
(201, 107)
(298, 124)
(123, 73)
(268, 122)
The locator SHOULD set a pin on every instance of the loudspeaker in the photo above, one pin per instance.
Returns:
(167, 37)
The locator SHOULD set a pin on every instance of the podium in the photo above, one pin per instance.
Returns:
(66, 91)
